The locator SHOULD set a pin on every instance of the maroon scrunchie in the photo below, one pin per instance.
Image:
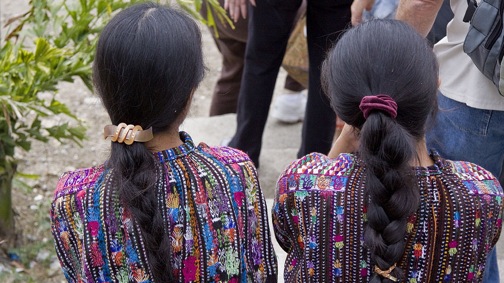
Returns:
(381, 102)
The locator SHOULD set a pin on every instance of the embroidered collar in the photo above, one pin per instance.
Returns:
(182, 150)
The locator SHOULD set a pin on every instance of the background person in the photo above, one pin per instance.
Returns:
(270, 24)
(288, 107)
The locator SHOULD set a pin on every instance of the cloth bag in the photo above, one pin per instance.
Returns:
(295, 60)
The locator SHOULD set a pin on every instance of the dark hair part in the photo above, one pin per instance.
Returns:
(148, 63)
(385, 57)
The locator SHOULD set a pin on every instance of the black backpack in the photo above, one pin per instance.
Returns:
(485, 40)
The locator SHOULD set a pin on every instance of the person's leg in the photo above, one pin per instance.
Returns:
(464, 133)
(231, 44)
(325, 21)
(270, 23)
(289, 106)
(227, 88)
(491, 274)
(293, 85)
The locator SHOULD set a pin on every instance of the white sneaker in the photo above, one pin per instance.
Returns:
(225, 141)
(289, 107)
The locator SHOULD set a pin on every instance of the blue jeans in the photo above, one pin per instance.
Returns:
(475, 135)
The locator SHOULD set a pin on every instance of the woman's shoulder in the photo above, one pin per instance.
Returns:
(317, 172)
(73, 182)
(225, 154)
(321, 164)
(476, 178)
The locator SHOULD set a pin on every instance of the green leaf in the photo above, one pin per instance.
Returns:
(58, 132)
(24, 144)
(57, 108)
(41, 47)
(27, 175)
(16, 183)
(25, 56)
(102, 6)
(8, 144)
(79, 132)
(73, 14)
(84, 6)
(65, 132)
(197, 5)
(88, 81)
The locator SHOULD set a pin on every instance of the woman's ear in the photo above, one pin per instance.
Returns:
(438, 82)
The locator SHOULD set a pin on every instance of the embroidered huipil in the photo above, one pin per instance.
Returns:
(319, 216)
(213, 208)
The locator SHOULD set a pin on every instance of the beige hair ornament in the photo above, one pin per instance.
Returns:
(386, 273)
(127, 133)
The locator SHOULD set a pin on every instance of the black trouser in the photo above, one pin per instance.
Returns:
(270, 24)
(231, 44)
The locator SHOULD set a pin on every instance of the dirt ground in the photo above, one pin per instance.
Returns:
(50, 160)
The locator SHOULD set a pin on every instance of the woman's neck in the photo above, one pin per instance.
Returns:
(423, 157)
(165, 140)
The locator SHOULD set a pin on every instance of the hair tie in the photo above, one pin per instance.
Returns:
(386, 273)
(378, 102)
(127, 133)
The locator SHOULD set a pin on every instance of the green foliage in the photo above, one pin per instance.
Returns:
(51, 43)
(214, 9)
(54, 42)
(24, 75)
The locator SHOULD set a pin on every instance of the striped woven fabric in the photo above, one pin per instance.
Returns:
(214, 211)
(319, 217)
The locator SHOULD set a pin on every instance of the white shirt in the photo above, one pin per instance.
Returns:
(460, 78)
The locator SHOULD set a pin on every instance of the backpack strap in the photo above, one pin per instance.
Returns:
(471, 8)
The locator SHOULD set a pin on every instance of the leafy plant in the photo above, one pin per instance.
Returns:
(51, 43)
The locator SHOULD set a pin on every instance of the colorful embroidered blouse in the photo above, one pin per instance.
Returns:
(214, 209)
(319, 216)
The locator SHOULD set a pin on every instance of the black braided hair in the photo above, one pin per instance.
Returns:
(385, 57)
(148, 62)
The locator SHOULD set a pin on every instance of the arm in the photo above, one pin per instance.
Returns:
(358, 6)
(347, 142)
(237, 8)
(420, 14)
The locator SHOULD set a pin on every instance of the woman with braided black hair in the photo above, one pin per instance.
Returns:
(381, 207)
(160, 209)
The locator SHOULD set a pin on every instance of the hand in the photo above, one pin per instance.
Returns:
(358, 7)
(237, 7)
(347, 142)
